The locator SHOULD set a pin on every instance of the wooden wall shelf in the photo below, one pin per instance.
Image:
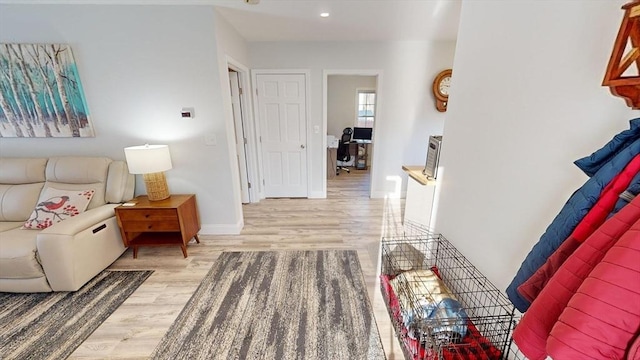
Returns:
(626, 53)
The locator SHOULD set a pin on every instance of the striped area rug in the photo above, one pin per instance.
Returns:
(307, 305)
(52, 325)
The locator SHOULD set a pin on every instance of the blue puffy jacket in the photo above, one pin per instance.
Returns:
(604, 165)
(592, 163)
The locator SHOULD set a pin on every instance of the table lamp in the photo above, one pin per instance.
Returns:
(150, 161)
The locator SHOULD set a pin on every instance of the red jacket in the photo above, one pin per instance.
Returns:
(533, 330)
(602, 319)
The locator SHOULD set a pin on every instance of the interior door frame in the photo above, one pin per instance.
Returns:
(235, 84)
(250, 159)
(351, 72)
(254, 82)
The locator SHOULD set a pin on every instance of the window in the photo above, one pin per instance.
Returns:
(366, 108)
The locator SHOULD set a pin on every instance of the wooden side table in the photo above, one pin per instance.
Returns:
(173, 221)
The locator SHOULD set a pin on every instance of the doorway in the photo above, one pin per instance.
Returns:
(244, 131)
(281, 99)
(238, 112)
(351, 101)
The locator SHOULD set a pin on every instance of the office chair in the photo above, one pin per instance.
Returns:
(343, 149)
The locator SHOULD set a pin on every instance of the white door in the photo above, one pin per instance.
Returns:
(283, 128)
(241, 139)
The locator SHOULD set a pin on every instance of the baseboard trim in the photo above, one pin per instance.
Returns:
(316, 195)
(221, 229)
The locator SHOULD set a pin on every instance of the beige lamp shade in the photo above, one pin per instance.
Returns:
(147, 159)
(150, 161)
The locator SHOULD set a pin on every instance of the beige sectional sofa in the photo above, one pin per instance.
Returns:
(67, 254)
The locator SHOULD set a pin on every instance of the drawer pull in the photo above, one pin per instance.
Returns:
(103, 226)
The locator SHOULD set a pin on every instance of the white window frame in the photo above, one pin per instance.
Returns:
(375, 104)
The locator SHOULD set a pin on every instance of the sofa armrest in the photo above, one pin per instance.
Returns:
(75, 250)
(81, 222)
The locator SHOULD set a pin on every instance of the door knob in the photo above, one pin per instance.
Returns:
(302, 146)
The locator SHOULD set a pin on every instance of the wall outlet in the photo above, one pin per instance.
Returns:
(316, 129)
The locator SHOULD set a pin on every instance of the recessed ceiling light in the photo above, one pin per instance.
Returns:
(324, 14)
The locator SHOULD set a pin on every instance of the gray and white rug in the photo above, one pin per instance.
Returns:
(277, 305)
(52, 325)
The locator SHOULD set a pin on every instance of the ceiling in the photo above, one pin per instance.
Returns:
(349, 20)
(299, 20)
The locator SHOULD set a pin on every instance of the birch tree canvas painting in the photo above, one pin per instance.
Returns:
(41, 93)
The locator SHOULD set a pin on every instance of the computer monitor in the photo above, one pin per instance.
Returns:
(360, 133)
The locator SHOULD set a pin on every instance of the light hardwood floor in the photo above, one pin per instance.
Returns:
(347, 219)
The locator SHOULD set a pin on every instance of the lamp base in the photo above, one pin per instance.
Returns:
(156, 185)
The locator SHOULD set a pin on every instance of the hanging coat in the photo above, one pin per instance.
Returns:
(602, 319)
(633, 353)
(594, 162)
(631, 192)
(532, 331)
(572, 213)
(594, 218)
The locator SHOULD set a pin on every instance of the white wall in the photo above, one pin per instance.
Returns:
(406, 113)
(231, 48)
(526, 101)
(139, 66)
(342, 101)
(230, 42)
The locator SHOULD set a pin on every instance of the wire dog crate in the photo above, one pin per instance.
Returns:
(440, 305)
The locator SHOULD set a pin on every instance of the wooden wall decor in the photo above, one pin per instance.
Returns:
(622, 79)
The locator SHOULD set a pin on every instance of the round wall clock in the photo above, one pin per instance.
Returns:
(441, 89)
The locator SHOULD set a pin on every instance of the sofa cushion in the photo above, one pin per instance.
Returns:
(21, 180)
(57, 205)
(120, 184)
(79, 173)
(22, 170)
(17, 201)
(18, 255)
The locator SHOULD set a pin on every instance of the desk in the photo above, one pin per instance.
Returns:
(360, 141)
(332, 158)
(361, 157)
(418, 203)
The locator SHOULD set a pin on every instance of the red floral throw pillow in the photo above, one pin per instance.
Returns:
(57, 205)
